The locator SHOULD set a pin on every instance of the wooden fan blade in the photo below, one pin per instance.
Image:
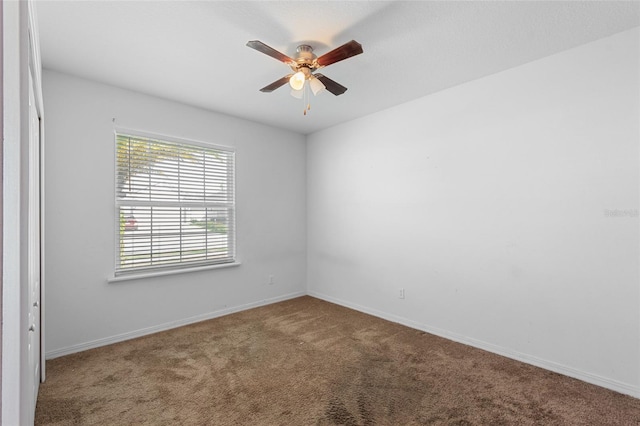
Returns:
(273, 86)
(345, 51)
(332, 86)
(261, 47)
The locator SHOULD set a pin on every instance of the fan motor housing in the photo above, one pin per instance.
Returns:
(305, 58)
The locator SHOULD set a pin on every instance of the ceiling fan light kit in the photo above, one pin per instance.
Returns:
(304, 66)
(316, 85)
(298, 79)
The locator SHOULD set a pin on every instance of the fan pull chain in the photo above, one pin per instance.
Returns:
(305, 98)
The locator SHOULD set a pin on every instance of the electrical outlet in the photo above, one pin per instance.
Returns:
(401, 294)
(271, 280)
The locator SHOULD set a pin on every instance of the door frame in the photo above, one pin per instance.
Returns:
(35, 68)
(19, 25)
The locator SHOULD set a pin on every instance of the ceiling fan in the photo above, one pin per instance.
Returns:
(305, 64)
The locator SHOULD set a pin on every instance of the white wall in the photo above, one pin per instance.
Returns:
(488, 203)
(83, 309)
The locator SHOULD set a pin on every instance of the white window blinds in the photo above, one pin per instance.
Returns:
(175, 204)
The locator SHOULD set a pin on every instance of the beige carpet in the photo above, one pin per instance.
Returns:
(309, 362)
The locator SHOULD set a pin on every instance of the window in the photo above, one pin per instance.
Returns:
(174, 204)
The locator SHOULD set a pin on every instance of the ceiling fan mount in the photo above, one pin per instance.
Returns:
(305, 61)
(305, 55)
(305, 64)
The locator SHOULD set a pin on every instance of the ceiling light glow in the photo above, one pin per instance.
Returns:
(297, 80)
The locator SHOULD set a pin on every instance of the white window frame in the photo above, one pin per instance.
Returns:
(126, 273)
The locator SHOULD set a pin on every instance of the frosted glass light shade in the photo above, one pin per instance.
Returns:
(297, 93)
(316, 85)
(297, 80)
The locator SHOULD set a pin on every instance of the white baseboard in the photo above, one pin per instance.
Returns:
(604, 382)
(167, 326)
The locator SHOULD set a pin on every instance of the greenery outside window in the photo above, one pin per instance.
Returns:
(175, 204)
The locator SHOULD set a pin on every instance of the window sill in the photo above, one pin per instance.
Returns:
(170, 272)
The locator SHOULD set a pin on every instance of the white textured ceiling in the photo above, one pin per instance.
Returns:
(195, 53)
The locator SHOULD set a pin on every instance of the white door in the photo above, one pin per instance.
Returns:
(34, 243)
